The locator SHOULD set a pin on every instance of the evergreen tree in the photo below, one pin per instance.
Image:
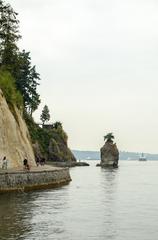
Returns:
(45, 116)
(9, 35)
(16, 62)
(27, 81)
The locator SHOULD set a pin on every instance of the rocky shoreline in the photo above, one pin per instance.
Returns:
(68, 164)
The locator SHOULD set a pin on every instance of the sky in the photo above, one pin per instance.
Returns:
(98, 62)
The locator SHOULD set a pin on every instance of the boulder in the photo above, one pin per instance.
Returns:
(82, 164)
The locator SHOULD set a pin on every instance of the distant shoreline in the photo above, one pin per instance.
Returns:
(95, 155)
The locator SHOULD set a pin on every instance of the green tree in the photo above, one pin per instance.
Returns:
(109, 137)
(57, 125)
(9, 35)
(45, 116)
(27, 81)
(16, 62)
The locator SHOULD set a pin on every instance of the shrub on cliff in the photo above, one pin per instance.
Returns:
(51, 142)
(37, 133)
(7, 84)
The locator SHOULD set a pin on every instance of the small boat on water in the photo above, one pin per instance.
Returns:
(142, 157)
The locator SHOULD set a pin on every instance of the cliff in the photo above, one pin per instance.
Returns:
(25, 139)
(50, 142)
(14, 136)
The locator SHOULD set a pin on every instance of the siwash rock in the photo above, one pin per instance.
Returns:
(15, 141)
(109, 155)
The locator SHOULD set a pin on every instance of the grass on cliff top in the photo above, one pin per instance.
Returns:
(7, 85)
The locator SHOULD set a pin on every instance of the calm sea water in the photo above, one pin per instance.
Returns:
(98, 204)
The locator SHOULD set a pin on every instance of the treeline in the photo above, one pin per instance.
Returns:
(18, 78)
(95, 155)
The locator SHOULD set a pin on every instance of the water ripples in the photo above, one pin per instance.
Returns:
(98, 204)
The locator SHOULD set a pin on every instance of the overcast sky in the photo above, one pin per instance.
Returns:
(98, 62)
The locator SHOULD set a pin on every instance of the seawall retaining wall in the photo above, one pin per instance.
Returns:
(24, 181)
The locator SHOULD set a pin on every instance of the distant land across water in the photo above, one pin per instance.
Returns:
(95, 155)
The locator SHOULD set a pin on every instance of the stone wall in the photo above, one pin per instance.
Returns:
(23, 181)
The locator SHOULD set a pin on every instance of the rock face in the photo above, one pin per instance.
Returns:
(109, 155)
(56, 150)
(14, 136)
(50, 142)
(59, 151)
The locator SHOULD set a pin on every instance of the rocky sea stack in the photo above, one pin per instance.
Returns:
(109, 152)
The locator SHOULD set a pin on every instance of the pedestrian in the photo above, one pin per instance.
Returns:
(43, 161)
(26, 165)
(37, 161)
(4, 163)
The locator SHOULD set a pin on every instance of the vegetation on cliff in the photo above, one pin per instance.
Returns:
(50, 141)
(19, 81)
(16, 62)
(7, 85)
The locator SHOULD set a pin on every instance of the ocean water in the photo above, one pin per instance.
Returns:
(120, 204)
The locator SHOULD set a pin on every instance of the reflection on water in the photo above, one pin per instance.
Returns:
(109, 186)
(98, 204)
(13, 209)
(24, 215)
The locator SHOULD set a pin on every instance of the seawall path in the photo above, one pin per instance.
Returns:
(40, 177)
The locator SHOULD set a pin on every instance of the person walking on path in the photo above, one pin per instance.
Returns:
(26, 165)
(43, 161)
(4, 163)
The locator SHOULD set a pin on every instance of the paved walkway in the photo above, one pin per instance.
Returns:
(33, 169)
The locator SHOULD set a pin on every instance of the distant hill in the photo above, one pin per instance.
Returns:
(95, 155)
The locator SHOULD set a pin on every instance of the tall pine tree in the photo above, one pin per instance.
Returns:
(27, 81)
(16, 62)
(9, 35)
(45, 116)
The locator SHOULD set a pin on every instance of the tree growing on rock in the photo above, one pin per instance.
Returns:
(109, 137)
(57, 125)
(45, 116)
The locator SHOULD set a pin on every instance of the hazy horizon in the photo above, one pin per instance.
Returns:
(98, 63)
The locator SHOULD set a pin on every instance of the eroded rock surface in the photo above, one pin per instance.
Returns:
(109, 155)
(14, 136)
